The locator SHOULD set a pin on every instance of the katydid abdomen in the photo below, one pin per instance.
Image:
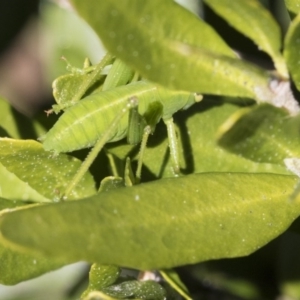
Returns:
(85, 122)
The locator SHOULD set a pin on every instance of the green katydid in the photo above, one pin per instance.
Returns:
(102, 118)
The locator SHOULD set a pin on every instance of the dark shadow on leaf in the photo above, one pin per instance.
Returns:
(4, 133)
(24, 125)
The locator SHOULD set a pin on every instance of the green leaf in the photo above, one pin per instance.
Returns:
(95, 295)
(152, 15)
(101, 276)
(16, 125)
(25, 162)
(17, 267)
(12, 187)
(8, 123)
(161, 224)
(175, 282)
(255, 22)
(148, 290)
(291, 53)
(111, 183)
(169, 45)
(263, 134)
(293, 6)
(5, 203)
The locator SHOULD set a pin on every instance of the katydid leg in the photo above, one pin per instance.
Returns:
(136, 125)
(173, 144)
(147, 131)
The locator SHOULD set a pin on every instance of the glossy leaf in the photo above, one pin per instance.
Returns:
(25, 162)
(202, 218)
(111, 183)
(263, 134)
(17, 267)
(148, 290)
(254, 21)
(163, 39)
(175, 282)
(100, 277)
(153, 13)
(97, 295)
(14, 188)
(291, 53)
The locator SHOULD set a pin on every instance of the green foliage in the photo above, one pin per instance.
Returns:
(181, 41)
(100, 277)
(233, 193)
(293, 6)
(263, 134)
(17, 267)
(253, 21)
(45, 173)
(158, 221)
(290, 51)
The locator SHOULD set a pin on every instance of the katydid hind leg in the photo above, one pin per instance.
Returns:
(136, 125)
(137, 122)
(147, 131)
(173, 145)
(129, 178)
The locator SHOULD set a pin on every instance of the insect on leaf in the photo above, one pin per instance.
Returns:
(84, 123)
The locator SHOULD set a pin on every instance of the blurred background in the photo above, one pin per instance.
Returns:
(33, 36)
